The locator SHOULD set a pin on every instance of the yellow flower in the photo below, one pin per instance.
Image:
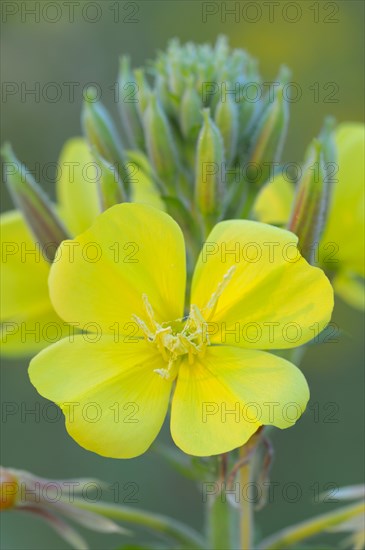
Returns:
(28, 319)
(342, 245)
(251, 290)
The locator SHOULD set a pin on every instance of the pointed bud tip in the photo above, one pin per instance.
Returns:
(329, 123)
(124, 63)
(6, 151)
(90, 95)
(284, 74)
(139, 75)
(328, 128)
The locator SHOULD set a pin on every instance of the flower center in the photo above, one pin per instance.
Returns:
(186, 336)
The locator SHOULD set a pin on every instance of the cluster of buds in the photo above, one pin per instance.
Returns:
(197, 134)
(25, 492)
(204, 130)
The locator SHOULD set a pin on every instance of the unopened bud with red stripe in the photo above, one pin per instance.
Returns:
(36, 208)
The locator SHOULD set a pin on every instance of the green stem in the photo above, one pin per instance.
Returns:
(310, 528)
(163, 525)
(219, 523)
(246, 514)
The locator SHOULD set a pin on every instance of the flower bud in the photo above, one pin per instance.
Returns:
(160, 144)
(310, 203)
(111, 190)
(190, 112)
(44, 498)
(327, 138)
(169, 103)
(209, 168)
(8, 489)
(101, 133)
(249, 106)
(175, 76)
(226, 119)
(143, 92)
(268, 138)
(127, 103)
(33, 203)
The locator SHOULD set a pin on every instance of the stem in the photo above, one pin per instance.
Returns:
(219, 524)
(220, 513)
(246, 515)
(163, 525)
(311, 527)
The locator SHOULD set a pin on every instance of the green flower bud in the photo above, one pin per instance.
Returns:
(248, 108)
(143, 92)
(101, 133)
(310, 204)
(268, 139)
(160, 145)
(190, 112)
(33, 203)
(111, 189)
(175, 77)
(327, 138)
(226, 119)
(128, 105)
(221, 50)
(168, 101)
(208, 170)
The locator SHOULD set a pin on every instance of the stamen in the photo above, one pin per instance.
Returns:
(213, 302)
(164, 373)
(172, 343)
(149, 311)
(168, 373)
(142, 325)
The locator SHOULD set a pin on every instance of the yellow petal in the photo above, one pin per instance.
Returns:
(113, 401)
(345, 227)
(272, 297)
(24, 271)
(102, 275)
(28, 320)
(223, 398)
(77, 190)
(350, 288)
(274, 202)
(28, 333)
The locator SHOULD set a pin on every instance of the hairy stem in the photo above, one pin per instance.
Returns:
(246, 513)
(160, 524)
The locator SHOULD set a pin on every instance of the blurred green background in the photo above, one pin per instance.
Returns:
(327, 51)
